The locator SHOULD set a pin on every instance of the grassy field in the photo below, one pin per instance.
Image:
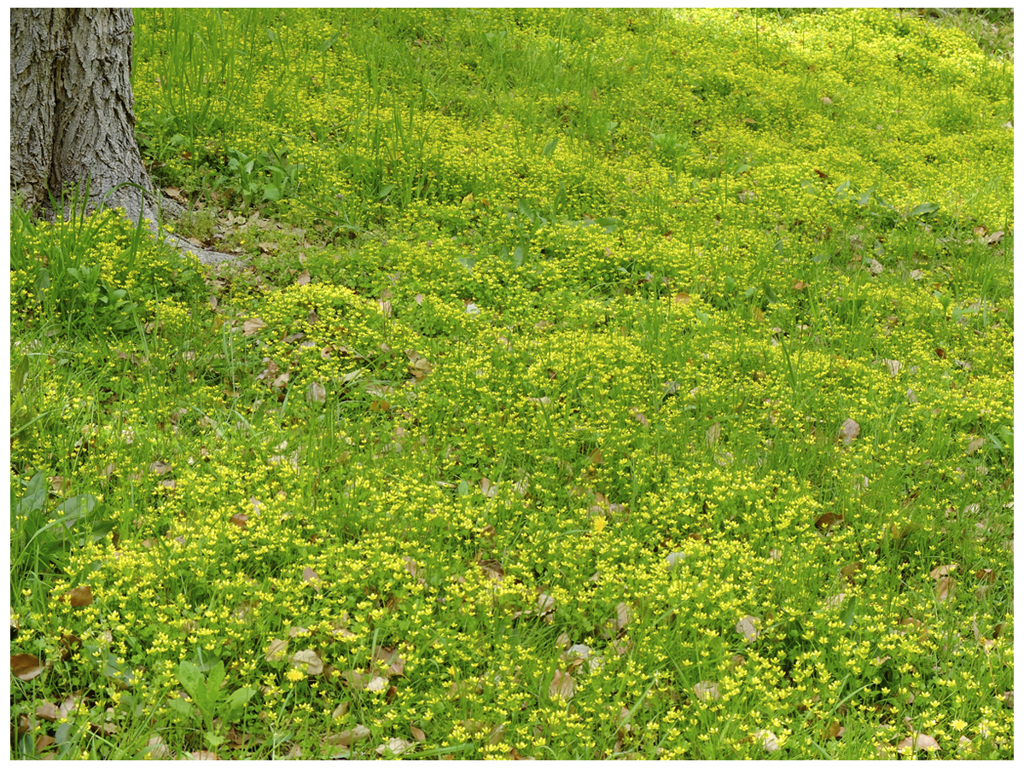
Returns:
(589, 384)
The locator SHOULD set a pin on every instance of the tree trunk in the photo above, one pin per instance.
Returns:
(72, 118)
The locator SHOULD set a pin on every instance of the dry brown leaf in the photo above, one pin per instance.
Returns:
(707, 691)
(849, 571)
(252, 326)
(621, 616)
(411, 567)
(488, 488)
(308, 661)
(975, 445)
(240, 519)
(377, 684)
(25, 666)
(159, 467)
(833, 731)
(204, 754)
(156, 749)
(945, 588)
(944, 570)
(417, 733)
(769, 741)
(923, 741)
(849, 431)
(394, 746)
(80, 597)
(70, 704)
(48, 711)
(562, 686)
(493, 569)
(316, 393)
(893, 366)
(986, 574)
(545, 604)
(278, 650)
(303, 278)
(713, 433)
(308, 574)
(674, 558)
(348, 737)
(396, 664)
(835, 601)
(748, 627)
(828, 521)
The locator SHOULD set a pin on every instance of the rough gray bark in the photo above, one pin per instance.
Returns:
(73, 118)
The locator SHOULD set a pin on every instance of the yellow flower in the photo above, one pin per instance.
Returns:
(599, 523)
(294, 675)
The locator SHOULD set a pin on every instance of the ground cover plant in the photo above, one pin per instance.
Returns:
(591, 384)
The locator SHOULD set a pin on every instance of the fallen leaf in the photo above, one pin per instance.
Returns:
(674, 558)
(316, 393)
(203, 754)
(303, 278)
(252, 326)
(986, 574)
(707, 691)
(80, 597)
(747, 626)
(922, 741)
(417, 733)
(849, 431)
(893, 366)
(278, 650)
(833, 731)
(307, 661)
(545, 604)
(621, 616)
(945, 588)
(562, 686)
(377, 684)
(875, 267)
(348, 737)
(394, 746)
(975, 445)
(159, 468)
(240, 519)
(492, 569)
(834, 601)
(48, 711)
(713, 433)
(70, 704)
(308, 574)
(828, 521)
(769, 741)
(943, 570)
(25, 666)
(156, 749)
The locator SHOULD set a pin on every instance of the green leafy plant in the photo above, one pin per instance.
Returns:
(210, 700)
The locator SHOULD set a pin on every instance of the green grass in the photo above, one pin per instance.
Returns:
(595, 384)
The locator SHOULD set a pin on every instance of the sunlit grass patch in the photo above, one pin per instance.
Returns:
(596, 384)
